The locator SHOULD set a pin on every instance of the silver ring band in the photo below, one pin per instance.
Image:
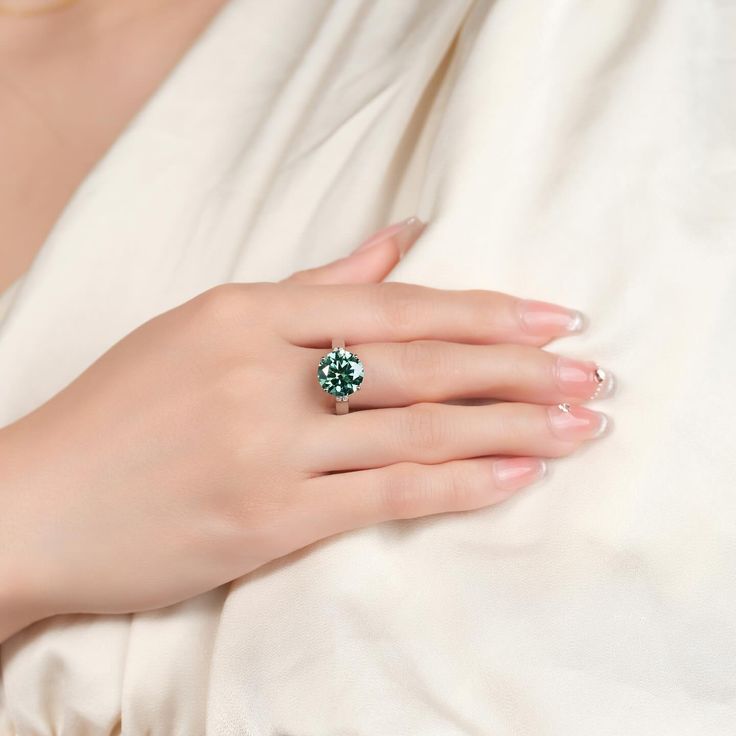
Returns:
(341, 404)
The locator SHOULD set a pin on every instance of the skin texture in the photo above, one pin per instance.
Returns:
(201, 447)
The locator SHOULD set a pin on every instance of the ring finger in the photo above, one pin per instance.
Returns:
(399, 374)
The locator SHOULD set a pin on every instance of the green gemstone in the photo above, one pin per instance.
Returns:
(340, 373)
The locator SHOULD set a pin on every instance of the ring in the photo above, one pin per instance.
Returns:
(340, 373)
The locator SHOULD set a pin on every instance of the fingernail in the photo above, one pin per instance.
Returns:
(583, 378)
(549, 320)
(404, 235)
(517, 472)
(576, 422)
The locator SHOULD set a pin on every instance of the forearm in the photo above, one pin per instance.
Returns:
(17, 607)
(13, 616)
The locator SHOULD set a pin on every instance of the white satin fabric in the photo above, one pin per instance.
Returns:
(577, 151)
(7, 296)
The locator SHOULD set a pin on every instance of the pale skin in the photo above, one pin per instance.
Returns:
(168, 468)
(69, 83)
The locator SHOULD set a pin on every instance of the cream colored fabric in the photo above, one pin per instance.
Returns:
(579, 151)
(7, 297)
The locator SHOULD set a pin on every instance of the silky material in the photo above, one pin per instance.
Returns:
(7, 296)
(577, 152)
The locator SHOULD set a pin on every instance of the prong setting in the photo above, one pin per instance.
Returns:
(340, 373)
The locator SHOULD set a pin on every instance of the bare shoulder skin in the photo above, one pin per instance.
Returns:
(70, 81)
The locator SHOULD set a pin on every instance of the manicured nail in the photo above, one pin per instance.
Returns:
(549, 320)
(576, 422)
(583, 378)
(404, 235)
(517, 472)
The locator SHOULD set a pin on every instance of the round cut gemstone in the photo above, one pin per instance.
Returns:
(340, 373)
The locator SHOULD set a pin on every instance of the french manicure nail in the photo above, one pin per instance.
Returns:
(517, 472)
(404, 234)
(583, 378)
(576, 422)
(549, 320)
(606, 383)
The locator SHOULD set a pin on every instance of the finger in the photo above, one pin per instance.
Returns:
(436, 433)
(403, 373)
(346, 501)
(397, 312)
(371, 262)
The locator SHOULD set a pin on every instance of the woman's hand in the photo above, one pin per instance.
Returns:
(201, 447)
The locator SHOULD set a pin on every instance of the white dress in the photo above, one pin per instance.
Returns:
(577, 152)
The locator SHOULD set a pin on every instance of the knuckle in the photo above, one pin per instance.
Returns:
(492, 304)
(421, 361)
(412, 490)
(404, 491)
(519, 358)
(397, 306)
(423, 429)
(516, 367)
(514, 422)
(224, 303)
(249, 522)
(219, 299)
(465, 487)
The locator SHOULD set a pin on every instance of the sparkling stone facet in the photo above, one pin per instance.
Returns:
(340, 373)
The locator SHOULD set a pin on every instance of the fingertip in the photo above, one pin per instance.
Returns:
(511, 474)
(544, 319)
(409, 234)
(402, 234)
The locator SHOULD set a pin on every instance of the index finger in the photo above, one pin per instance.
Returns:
(394, 311)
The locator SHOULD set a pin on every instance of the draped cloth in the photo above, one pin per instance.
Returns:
(576, 151)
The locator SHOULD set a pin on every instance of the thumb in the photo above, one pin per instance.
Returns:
(371, 261)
